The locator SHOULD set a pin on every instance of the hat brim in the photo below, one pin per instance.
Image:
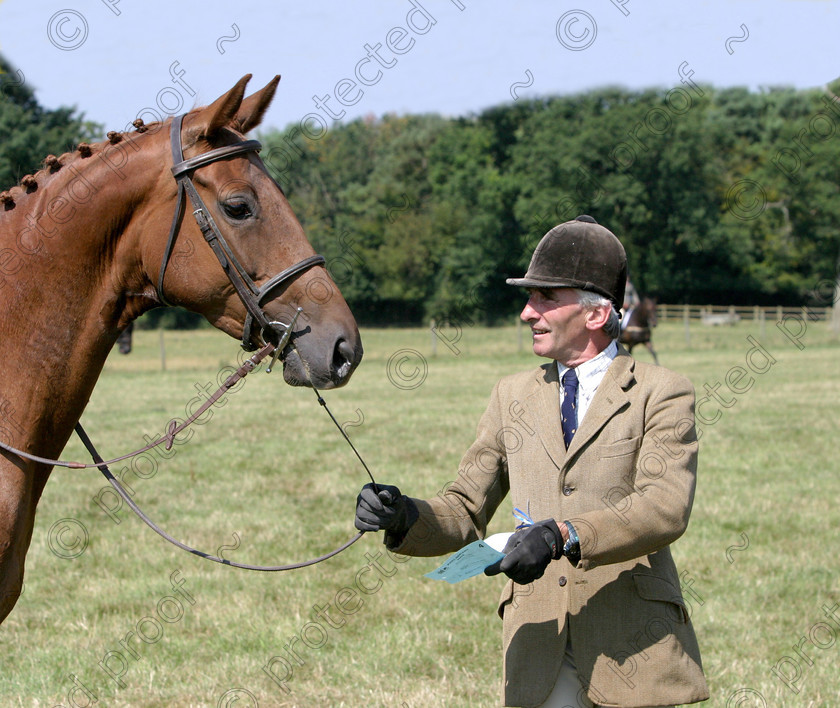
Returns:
(559, 283)
(548, 283)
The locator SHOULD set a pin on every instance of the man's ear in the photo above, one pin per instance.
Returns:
(597, 317)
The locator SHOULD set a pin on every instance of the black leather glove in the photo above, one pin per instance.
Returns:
(390, 510)
(529, 551)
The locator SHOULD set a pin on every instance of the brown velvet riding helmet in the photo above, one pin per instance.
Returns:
(579, 254)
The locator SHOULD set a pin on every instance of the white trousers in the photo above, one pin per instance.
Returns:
(568, 691)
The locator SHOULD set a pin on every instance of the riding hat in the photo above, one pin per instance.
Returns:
(579, 254)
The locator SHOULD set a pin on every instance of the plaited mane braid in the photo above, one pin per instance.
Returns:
(52, 163)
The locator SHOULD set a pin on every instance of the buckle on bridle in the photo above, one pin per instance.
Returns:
(284, 339)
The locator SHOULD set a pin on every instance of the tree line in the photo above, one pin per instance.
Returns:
(720, 196)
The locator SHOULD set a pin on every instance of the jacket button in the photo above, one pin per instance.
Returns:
(567, 491)
(562, 581)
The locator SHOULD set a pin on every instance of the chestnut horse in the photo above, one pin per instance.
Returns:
(639, 326)
(84, 250)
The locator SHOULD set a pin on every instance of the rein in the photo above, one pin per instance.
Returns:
(171, 430)
(169, 438)
(103, 467)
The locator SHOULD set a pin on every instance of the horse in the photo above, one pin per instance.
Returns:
(637, 326)
(89, 243)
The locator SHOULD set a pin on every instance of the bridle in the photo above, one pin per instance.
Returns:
(252, 297)
(251, 294)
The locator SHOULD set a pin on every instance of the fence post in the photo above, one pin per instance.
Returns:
(686, 318)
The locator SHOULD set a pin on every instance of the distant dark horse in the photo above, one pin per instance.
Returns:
(639, 325)
(124, 340)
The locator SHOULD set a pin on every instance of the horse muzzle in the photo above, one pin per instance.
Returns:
(309, 360)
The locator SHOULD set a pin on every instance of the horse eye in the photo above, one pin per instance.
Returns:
(237, 209)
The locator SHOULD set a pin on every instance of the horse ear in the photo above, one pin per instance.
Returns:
(222, 111)
(253, 108)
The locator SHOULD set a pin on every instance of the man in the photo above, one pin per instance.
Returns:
(599, 450)
(631, 297)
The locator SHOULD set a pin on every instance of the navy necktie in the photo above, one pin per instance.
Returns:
(568, 412)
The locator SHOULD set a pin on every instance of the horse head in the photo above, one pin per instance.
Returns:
(260, 238)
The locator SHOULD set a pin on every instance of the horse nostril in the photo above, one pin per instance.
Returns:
(343, 357)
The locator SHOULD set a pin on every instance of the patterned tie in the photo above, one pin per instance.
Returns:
(568, 413)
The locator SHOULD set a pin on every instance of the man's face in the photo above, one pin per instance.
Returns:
(558, 323)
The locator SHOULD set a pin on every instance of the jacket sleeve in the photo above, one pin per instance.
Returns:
(460, 512)
(649, 507)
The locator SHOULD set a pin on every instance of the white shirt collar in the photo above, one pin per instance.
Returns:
(590, 374)
(595, 367)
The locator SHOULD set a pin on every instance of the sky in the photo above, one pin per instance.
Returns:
(115, 60)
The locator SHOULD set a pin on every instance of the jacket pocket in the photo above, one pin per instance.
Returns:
(505, 598)
(622, 447)
(652, 587)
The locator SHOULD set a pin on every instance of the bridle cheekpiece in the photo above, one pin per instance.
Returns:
(252, 295)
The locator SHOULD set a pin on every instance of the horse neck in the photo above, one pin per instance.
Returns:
(66, 277)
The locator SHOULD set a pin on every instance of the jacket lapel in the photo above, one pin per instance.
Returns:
(609, 399)
(546, 404)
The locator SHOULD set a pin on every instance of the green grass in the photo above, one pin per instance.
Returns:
(269, 477)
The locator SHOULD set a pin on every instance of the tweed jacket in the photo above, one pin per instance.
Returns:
(627, 484)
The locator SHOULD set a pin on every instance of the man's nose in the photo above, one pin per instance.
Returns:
(528, 312)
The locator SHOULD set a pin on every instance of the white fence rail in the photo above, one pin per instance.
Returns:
(728, 315)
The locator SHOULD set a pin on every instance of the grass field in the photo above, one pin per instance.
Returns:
(111, 613)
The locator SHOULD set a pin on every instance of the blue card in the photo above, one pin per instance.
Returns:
(471, 560)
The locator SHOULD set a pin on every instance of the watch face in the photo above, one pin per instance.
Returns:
(571, 550)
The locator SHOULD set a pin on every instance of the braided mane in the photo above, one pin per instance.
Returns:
(52, 164)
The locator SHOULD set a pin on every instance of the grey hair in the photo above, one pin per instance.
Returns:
(590, 300)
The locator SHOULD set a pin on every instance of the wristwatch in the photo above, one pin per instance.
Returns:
(571, 549)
